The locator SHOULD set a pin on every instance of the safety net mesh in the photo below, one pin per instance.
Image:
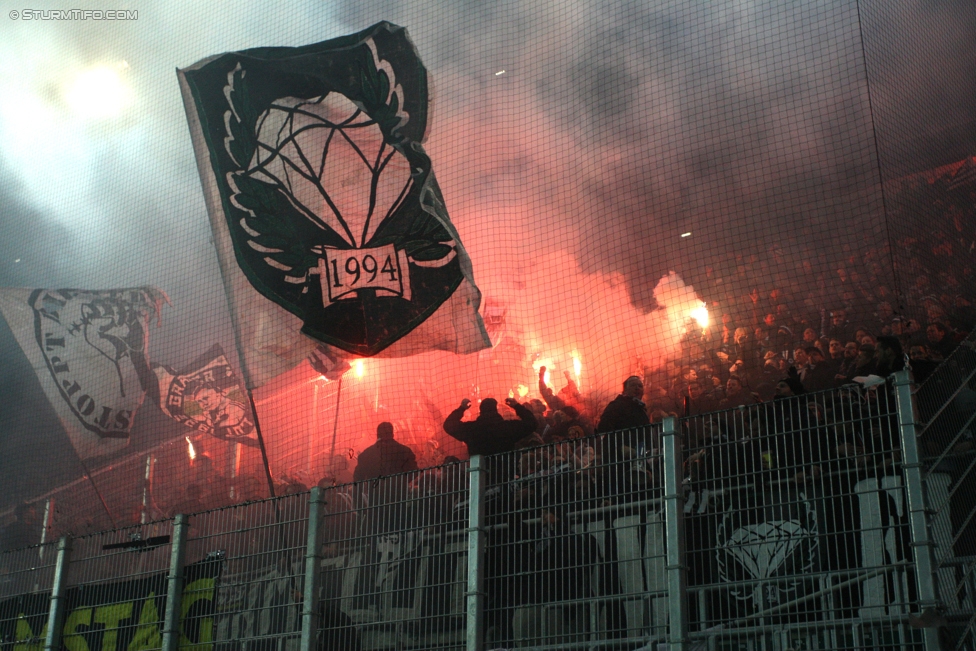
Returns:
(219, 282)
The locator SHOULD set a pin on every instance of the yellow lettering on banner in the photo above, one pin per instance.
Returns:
(147, 635)
(24, 634)
(201, 589)
(72, 640)
(111, 616)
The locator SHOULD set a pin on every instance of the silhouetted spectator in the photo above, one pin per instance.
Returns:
(819, 373)
(889, 356)
(939, 339)
(568, 395)
(839, 328)
(848, 362)
(736, 395)
(385, 457)
(864, 363)
(490, 433)
(626, 411)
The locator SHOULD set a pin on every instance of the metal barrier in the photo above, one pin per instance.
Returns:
(946, 412)
(808, 522)
(798, 527)
(575, 552)
(26, 579)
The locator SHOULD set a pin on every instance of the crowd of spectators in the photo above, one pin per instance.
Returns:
(822, 318)
(740, 362)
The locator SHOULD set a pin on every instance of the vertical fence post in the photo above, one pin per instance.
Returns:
(52, 641)
(674, 501)
(475, 596)
(313, 560)
(922, 543)
(174, 586)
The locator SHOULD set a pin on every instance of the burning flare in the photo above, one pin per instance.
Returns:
(700, 314)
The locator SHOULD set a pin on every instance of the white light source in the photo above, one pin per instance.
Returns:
(98, 92)
(499, 73)
(700, 314)
(688, 234)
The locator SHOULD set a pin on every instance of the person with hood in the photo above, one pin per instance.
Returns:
(490, 433)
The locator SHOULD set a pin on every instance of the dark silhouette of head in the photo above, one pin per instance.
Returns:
(384, 430)
(489, 406)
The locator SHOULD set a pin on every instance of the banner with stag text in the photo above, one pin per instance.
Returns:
(117, 615)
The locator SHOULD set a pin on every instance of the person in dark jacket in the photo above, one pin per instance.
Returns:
(385, 457)
(626, 411)
(383, 463)
(819, 373)
(490, 433)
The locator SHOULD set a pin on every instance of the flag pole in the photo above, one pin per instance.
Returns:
(335, 420)
(257, 428)
(213, 208)
(91, 480)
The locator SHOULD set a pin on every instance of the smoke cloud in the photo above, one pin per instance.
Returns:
(575, 143)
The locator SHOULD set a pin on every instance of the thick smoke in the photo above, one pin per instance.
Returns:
(631, 123)
(614, 129)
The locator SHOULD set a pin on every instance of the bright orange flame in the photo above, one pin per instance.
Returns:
(359, 368)
(190, 450)
(511, 394)
(700, 314)
(522, 390)
(577, 365)
(539, 363)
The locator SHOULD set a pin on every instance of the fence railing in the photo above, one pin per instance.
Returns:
(820, 521)
(946, 412)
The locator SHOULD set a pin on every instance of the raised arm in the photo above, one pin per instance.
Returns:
(452, 424)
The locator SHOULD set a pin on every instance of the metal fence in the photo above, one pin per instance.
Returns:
(946, 411)
(838, 520)
(798, 527)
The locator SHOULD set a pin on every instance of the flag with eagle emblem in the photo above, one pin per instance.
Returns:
(328, 220)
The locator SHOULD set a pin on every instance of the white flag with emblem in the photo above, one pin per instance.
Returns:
(89, 350)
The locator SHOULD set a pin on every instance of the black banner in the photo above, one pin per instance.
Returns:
(118, 616)
(328, 195)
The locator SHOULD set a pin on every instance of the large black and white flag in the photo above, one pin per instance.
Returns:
(207, 397)
(327, 217)
(89, 350)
